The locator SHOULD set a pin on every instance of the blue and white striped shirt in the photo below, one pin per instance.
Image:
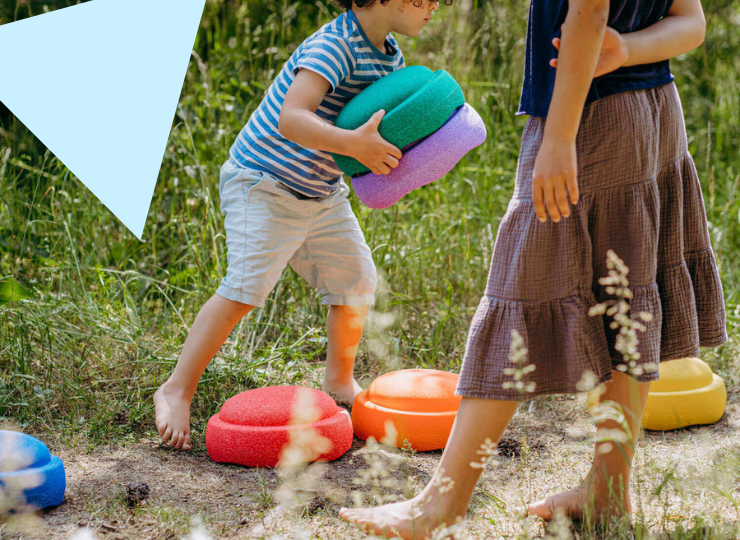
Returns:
(341, 52)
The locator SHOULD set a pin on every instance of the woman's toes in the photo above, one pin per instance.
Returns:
(539, 509)
(178, 439)
(350, 515)
(167, 434)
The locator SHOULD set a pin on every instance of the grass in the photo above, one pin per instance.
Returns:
(92, 320)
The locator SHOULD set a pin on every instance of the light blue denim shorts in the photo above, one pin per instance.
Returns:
(268, 227)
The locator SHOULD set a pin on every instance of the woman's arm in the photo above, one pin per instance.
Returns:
(555, 167)
(680, 31)
(298, 122)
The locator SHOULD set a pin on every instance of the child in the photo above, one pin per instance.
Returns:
(285, 201)
(623, 163)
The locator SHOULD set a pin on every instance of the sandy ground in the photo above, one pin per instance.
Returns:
(192, 497)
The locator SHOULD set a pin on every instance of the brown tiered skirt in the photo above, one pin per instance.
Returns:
(641, 198)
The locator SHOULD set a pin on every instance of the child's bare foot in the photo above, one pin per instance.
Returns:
(343, 392)
(574, 503)
(411, 520)
(172, 416)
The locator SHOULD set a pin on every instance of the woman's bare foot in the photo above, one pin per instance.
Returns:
(343, 392)
(172, 416)
(589, 497)
(411, 520)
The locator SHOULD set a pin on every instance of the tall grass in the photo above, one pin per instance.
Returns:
(106, 315)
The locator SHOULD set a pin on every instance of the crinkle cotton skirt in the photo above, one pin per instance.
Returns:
(641, 198)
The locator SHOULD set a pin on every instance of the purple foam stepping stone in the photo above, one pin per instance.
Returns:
(425, 162)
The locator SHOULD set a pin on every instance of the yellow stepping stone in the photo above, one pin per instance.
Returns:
(687, 394)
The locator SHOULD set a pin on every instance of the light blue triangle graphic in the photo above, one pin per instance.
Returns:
(98, 83)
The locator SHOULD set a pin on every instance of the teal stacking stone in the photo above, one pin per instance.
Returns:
(417, 102)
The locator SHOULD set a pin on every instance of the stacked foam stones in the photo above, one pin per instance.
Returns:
(426, 117)
(29, 474)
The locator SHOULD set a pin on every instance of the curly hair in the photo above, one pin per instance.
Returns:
(347, 4)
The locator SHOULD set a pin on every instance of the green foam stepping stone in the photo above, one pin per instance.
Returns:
(417, 102)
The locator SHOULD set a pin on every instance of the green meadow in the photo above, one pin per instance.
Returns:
(92, 320)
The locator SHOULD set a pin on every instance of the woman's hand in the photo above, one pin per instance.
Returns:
(372, 150)
(612, 56)
(554, 178)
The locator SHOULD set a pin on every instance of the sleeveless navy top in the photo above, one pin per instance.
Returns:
(545, 19)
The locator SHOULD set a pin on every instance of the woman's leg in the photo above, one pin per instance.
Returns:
(213, 324)
(606, 486)
(477, 420)
(344, 326)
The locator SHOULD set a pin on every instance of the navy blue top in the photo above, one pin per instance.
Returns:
(545, 19)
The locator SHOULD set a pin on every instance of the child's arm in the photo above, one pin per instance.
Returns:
(680, 31)
(555, 167)
(299, 123)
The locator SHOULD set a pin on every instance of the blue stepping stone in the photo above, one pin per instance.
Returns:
(27, 464)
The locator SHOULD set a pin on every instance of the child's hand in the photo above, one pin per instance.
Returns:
(372, 150)
(555, 172)
(613, 53)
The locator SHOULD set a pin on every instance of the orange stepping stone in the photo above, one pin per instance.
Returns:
(419, 403)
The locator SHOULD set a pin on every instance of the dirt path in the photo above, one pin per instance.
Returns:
(698, 469)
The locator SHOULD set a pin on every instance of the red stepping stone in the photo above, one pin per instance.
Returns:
(259, 427)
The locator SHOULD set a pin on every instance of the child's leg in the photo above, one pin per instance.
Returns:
(477, 420)
(344, 326)
(335, 259)
(213, 324)
(609, 468)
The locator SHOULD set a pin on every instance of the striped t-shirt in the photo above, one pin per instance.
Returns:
(341, 52)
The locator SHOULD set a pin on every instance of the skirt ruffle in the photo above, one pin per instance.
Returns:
(544, 277)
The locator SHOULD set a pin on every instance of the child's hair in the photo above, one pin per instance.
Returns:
(347, 4)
